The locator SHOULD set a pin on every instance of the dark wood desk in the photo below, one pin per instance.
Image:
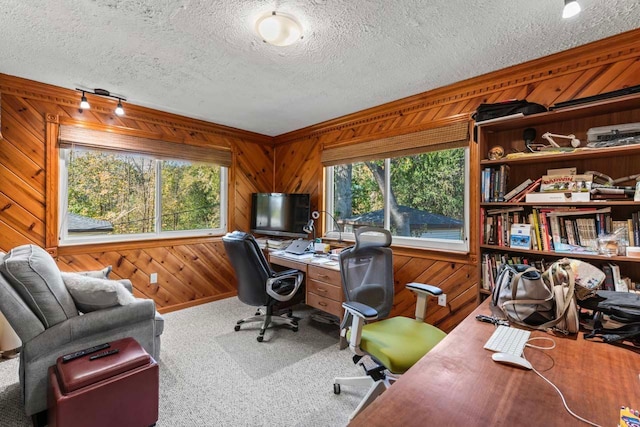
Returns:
(458, 384)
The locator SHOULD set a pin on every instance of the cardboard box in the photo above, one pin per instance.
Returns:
(557, 197)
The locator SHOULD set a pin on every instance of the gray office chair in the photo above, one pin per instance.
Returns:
(260, 286)
(394, 344)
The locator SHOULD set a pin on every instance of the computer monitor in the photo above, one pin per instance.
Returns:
(280, 214)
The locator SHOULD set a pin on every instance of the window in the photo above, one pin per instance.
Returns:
(421, 198)
(110, 195)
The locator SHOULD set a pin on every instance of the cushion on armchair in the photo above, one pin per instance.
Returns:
(34, 275)
(93, 293)
(99, 274)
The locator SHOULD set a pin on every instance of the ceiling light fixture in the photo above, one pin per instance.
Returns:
(279, 29)
(84, 104)
(571, 8)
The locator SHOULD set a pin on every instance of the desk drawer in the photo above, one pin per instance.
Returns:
(325, 304)
(325, 275)
(324, 289)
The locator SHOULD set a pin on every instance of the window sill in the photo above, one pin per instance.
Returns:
(70, 248)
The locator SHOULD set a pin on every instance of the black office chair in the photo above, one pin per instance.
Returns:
(394, 344)
(260, 286)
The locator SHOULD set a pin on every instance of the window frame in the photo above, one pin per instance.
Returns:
(457, 246)
(63, 202)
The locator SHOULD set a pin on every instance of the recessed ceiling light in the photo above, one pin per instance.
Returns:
(279, 29)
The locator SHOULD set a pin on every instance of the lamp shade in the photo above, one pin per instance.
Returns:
(571, 8)
(278, 29)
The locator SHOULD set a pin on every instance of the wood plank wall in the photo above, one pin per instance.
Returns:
(190, 271)
(592, 69)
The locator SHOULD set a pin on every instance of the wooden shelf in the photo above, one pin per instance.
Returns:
(505, 205)
(560, 254)
(579, 154)
(616, 162)
(606, 106)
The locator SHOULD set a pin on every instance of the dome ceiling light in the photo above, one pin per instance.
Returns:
(278, 29)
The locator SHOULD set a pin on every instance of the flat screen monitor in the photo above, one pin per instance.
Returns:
(280, 214)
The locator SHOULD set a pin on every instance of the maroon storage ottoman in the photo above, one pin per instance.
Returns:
(117, 390)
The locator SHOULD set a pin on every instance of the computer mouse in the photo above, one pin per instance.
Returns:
(510, 359)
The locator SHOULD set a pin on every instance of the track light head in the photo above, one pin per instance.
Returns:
(84, 104)
(119, 110)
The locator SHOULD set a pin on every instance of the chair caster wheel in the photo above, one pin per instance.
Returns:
(236, 328)
(294, 329)
(336, 389)
(290, 313)
(260, 338)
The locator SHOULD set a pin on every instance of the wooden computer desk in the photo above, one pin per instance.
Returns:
(323, 282)
(458, 384)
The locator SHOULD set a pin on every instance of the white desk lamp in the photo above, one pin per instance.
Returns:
(575, 142)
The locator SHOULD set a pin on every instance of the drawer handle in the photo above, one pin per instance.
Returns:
(322, 304)
(323, 275)
(322, 290)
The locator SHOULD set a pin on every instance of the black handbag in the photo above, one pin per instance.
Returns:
(615, 318)
(506, 108)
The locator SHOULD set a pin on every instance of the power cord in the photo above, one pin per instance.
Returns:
(564, 402)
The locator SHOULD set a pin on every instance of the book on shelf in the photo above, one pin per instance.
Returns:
(550, 197)
(520, 236)
(522, 186)
(531, 188)
(566, 183)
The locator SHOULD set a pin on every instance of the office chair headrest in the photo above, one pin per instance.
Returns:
(237, 235)
(372, 237)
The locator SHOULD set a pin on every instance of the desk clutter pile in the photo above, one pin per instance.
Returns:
(566, 296)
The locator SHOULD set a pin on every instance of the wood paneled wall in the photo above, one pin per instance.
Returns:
(190, 271)
(592, 69)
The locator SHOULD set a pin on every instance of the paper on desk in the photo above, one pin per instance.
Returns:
(320, 260)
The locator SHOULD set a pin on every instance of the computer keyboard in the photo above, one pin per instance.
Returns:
(508, 340)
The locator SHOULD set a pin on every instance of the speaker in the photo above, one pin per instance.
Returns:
(529, 135)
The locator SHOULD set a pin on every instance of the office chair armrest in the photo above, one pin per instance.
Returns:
(298, 276)
(360, 313)
(285, 273)
(423, 287)
(361, 310)
(423, 291)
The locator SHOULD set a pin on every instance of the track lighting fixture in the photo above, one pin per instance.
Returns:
(84, 104)
(571, 8)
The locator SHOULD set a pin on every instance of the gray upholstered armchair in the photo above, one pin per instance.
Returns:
(38, 306)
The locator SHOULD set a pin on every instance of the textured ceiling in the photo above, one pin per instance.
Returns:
(202, 59)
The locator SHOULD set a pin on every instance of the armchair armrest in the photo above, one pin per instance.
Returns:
(295, 275)
(423, 291)
(93, 323)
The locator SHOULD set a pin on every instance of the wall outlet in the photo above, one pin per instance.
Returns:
(153, 278)
(442, 300)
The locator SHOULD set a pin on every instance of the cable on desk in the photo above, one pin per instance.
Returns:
(564, 402)
(553, 343)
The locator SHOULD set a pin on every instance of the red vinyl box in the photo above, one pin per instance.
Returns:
(119, 389)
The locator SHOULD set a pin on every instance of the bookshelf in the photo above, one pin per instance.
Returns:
(520, 165)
